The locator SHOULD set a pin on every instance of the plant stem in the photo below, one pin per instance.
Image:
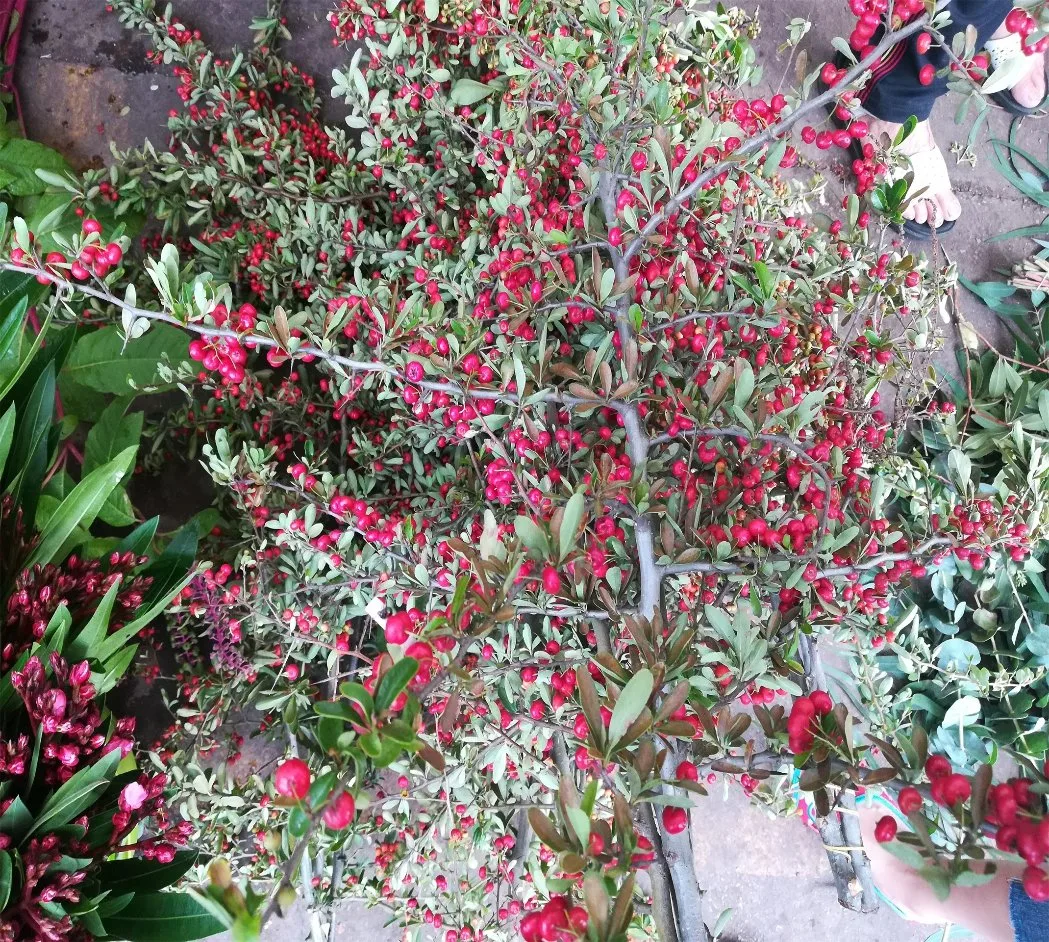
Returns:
(850, 869)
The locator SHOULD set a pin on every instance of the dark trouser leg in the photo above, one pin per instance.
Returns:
(896, 93)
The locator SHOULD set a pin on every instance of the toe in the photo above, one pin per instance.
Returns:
(921, 212)
(936, 212)
(952, 208)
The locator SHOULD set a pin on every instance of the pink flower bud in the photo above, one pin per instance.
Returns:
(132, 797)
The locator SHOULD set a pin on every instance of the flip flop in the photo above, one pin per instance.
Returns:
(1001, 52)
(920, 231)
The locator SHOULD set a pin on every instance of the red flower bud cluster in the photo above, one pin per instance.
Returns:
(78, 583)
(63, 712)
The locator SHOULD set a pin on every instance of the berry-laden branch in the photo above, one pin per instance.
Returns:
(773, 132)
(50, 275)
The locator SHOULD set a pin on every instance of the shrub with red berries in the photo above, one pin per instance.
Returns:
(546, 426)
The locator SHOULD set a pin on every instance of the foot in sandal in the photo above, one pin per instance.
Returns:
(935, 203)
(1026, 93)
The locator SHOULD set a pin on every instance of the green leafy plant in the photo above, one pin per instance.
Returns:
(86, 839)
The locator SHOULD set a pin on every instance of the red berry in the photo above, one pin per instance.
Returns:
(1016, 21)
(292, 779)
(927, 74)
(1036, 884)
(922, 43)
(675, 820)
(937, 767)
(910, 800)
(688, 772)
(398, 625)
(885, 829)
(339, 811)
(551, 580)
(639, 161)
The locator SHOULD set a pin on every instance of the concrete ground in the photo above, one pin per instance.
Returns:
(84, 82)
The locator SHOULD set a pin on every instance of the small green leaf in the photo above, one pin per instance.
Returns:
(744, 387)
(394, 681)
(570, 520)
(532, 536)
(469, 92)
(631, 703)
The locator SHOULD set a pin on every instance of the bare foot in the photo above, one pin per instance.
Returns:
(936, 204)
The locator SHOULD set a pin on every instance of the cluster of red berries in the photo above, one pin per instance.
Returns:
(1021, 22)
(557, 921)
(292, 781)
(806, 721)
(985, 524)
(1023, 828)
(870, 19)
(226, 355)
(94, 257)
(1015, 807)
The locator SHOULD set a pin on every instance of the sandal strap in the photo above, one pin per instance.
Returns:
(929, 173)
(1003, 50)
(928, 170)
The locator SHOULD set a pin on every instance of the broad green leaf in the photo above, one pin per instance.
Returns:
(114, 670)
(7, 433)
(81, 507)
(103, 362)
(138, 540)
(95, 630)
(20, 158)
(29, 453)
(78, 794)
(12, 329)
(630, 704)
(163, 917)
(6, 871)
(16, 821)
(113, 433)
(144, 876)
